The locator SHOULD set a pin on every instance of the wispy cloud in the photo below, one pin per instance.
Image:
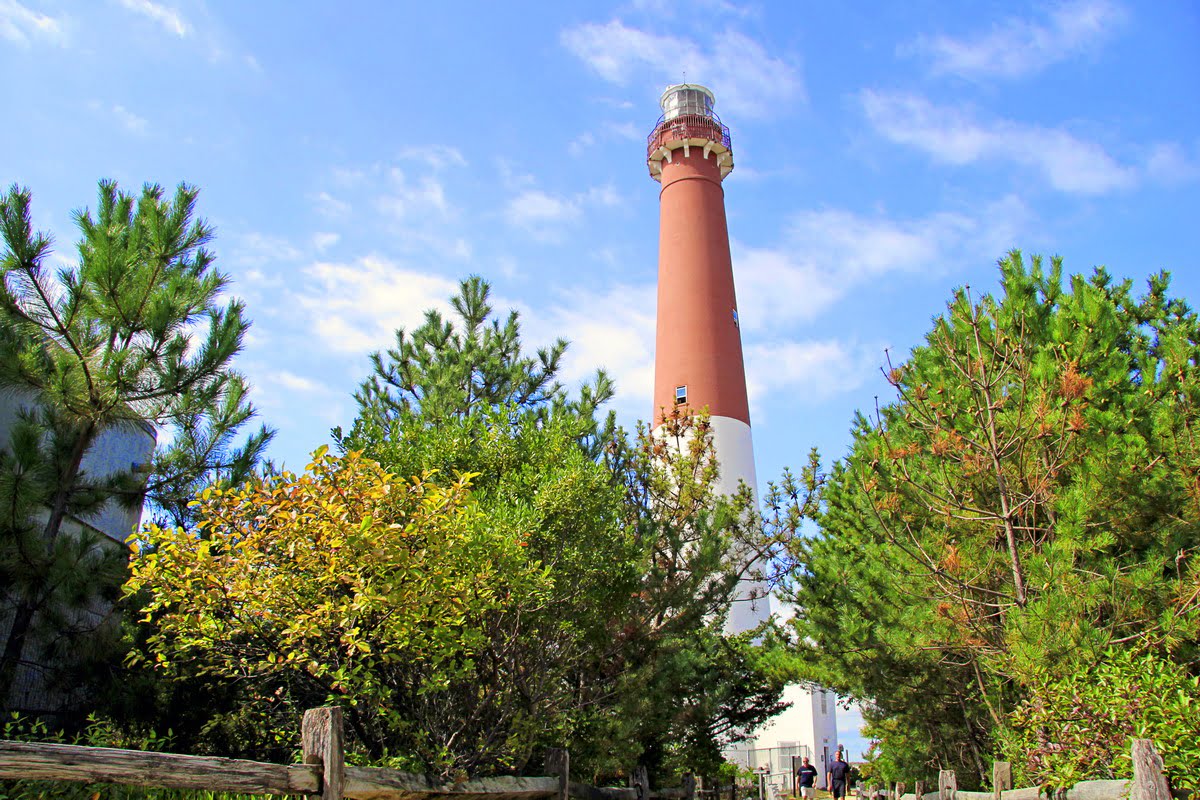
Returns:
(22, 25)
(610, 328)
(534, 210)
(406, 199)
(826, 254)
(130, 121)
(329, 206)
(257, 250)
(323, 240)
(806, 370)
(952, 136)
(1168, 162)
(408, 191)
(1018, 47)
(667, 9)
(295, 383)
(581, 144)
(356, 307)
(544, 215)
(170, 19)
(437, 156)
(747, 79)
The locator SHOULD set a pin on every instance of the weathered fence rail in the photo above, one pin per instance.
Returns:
(65, 762)
(324, 772)
(1084, 790)
(1148, 783)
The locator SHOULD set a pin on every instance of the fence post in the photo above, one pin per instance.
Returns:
(689, 786)
(558, 762)
(641, 781)
(323, 741)
(947, 784)
(899, 789)
(919, 789)
(1001, 777)
(1149, 782)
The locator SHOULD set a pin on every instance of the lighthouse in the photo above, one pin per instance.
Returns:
(698, 343)
(698, 364)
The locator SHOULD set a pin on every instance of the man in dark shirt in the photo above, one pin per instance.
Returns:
(839, 776)
(807, 774)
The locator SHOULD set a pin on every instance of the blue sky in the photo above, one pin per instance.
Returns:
(359, 158)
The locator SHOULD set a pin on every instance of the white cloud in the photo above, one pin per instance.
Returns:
(951, 136)
(170, 19)
(329, 206)
(405, 199)
(356, 307)
(777, 287)
(544, 215)
(437, 156)
(826, 254)
(581, 144)
(745, 77)
(751, 82)
(1169, 163)
(295, 383)
(615, 51)
(541, 214)
(130, 121)
(805, 371)
(605, 195)
(322, 240)
(259, 249)
(604, 130)
(1020, 47)
(611, 329)
(668, 8)
(627, 130)
(21, 25)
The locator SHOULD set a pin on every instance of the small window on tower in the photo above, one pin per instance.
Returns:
(736, 323)
(680, 395)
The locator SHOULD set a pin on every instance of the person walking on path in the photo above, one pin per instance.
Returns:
(808, 780)
(839, 777)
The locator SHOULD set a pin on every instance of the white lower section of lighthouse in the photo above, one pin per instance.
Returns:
(808, 727)
(733, 444)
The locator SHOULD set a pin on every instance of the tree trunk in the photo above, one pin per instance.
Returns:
(66, 485)
(14, 648)
(27, 606)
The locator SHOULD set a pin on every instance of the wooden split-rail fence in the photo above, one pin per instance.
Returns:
(324, 773)
(1148, 783)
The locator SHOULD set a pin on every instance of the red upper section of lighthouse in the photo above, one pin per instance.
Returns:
(688, 121)
(698, 346)
(686, 126)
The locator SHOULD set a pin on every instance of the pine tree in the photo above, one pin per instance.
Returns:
(1025, 504)
(136, 333)
(450, 368)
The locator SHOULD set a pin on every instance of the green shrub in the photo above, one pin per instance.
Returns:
(1078, 726)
